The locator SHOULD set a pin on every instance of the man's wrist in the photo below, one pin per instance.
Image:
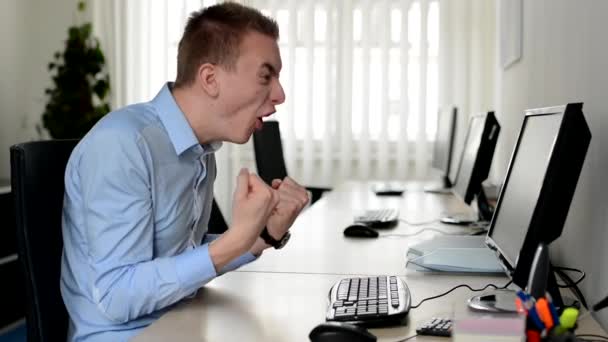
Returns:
(237, 241)
(277, 243)
(224, 249)
(258, 247)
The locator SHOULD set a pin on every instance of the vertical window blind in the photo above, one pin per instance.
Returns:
(360, 76)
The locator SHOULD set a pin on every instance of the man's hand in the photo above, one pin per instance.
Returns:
(293, 198)
(253, 203)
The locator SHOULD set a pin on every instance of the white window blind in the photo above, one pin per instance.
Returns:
(360, 78)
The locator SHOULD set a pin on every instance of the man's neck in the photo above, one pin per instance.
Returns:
(198, 113)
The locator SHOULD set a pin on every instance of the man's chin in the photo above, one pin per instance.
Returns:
(240, 140)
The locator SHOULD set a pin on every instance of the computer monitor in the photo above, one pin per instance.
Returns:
(538, 188)
(475, 162)
(444, 144)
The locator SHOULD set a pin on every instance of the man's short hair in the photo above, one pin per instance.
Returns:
(213, 35)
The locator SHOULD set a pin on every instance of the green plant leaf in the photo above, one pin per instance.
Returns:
(79, 76)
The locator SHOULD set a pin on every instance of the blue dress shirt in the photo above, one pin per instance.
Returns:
(138, 195)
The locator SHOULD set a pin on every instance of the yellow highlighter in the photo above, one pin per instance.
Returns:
(568, 318)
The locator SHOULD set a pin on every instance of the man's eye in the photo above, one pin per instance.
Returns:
(266, 77)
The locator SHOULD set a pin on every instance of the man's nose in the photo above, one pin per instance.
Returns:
(278, 95)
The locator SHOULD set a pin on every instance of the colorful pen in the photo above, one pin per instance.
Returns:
(544, 312)
(533, 315)
(553, 309)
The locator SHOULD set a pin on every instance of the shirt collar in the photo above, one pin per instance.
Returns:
(175, 123)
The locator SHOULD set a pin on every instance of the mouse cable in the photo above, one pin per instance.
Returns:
(408, 338)
(459, 286)
(430, 229)
(422, 223)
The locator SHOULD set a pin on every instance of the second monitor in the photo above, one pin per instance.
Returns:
(475, 162)
(443, 149)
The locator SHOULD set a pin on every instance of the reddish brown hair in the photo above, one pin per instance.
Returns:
(213, 35)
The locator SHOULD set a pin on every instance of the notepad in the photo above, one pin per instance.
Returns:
(454, 254)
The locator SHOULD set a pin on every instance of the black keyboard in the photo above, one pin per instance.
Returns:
(436, 327)
(379, 217)
(370, 301)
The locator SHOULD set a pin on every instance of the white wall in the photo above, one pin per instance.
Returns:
(565, 59)
(12, 46)
(30, 32)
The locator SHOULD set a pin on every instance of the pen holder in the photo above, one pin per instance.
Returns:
(568, 336)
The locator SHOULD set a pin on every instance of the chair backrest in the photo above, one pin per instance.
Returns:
(37, 178)
(269, 152)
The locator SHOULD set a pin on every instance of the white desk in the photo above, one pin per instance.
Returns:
(282, 296)
(318, 245)
(253, 306)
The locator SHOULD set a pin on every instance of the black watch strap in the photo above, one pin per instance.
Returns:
(277, 244)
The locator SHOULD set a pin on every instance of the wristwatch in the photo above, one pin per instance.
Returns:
(277, 244)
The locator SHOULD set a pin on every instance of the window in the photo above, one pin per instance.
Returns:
(343, 66)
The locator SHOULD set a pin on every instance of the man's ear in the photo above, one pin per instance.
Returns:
(207, 79)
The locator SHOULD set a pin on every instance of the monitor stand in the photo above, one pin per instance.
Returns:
(459, 219)
(484, 212)
(494, 301)
(504, 300)
(444, 189)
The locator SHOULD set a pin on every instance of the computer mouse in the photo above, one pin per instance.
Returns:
(340, 332)
(360, 230)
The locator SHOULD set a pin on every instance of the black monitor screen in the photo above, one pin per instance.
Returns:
(469, 155)
(539, 186)
(522, 188)
(477, 154)
(444, 141)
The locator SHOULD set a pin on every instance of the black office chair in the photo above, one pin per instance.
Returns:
(12, 292)
(37, 173)
(269, 157)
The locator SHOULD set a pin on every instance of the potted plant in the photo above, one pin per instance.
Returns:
(79, 96)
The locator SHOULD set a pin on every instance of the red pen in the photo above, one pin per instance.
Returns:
(533, 336)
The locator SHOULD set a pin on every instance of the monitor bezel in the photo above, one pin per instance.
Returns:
(572, 138)
(452, 114)
(485, 153)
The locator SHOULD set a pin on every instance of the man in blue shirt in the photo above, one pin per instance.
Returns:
(139, 186)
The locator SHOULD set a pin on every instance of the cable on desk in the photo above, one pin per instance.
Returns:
(578, 281)
(408, 338)
(429, 229)
(422, 223)
(572, 285)
(459, 286)
(595, 337)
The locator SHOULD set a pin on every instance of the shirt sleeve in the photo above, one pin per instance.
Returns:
(128, 281)
(234, 264)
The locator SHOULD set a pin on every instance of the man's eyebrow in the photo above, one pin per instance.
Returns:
(270, 68)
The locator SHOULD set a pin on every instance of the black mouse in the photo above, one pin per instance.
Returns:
(360, 230)
(340, 332)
